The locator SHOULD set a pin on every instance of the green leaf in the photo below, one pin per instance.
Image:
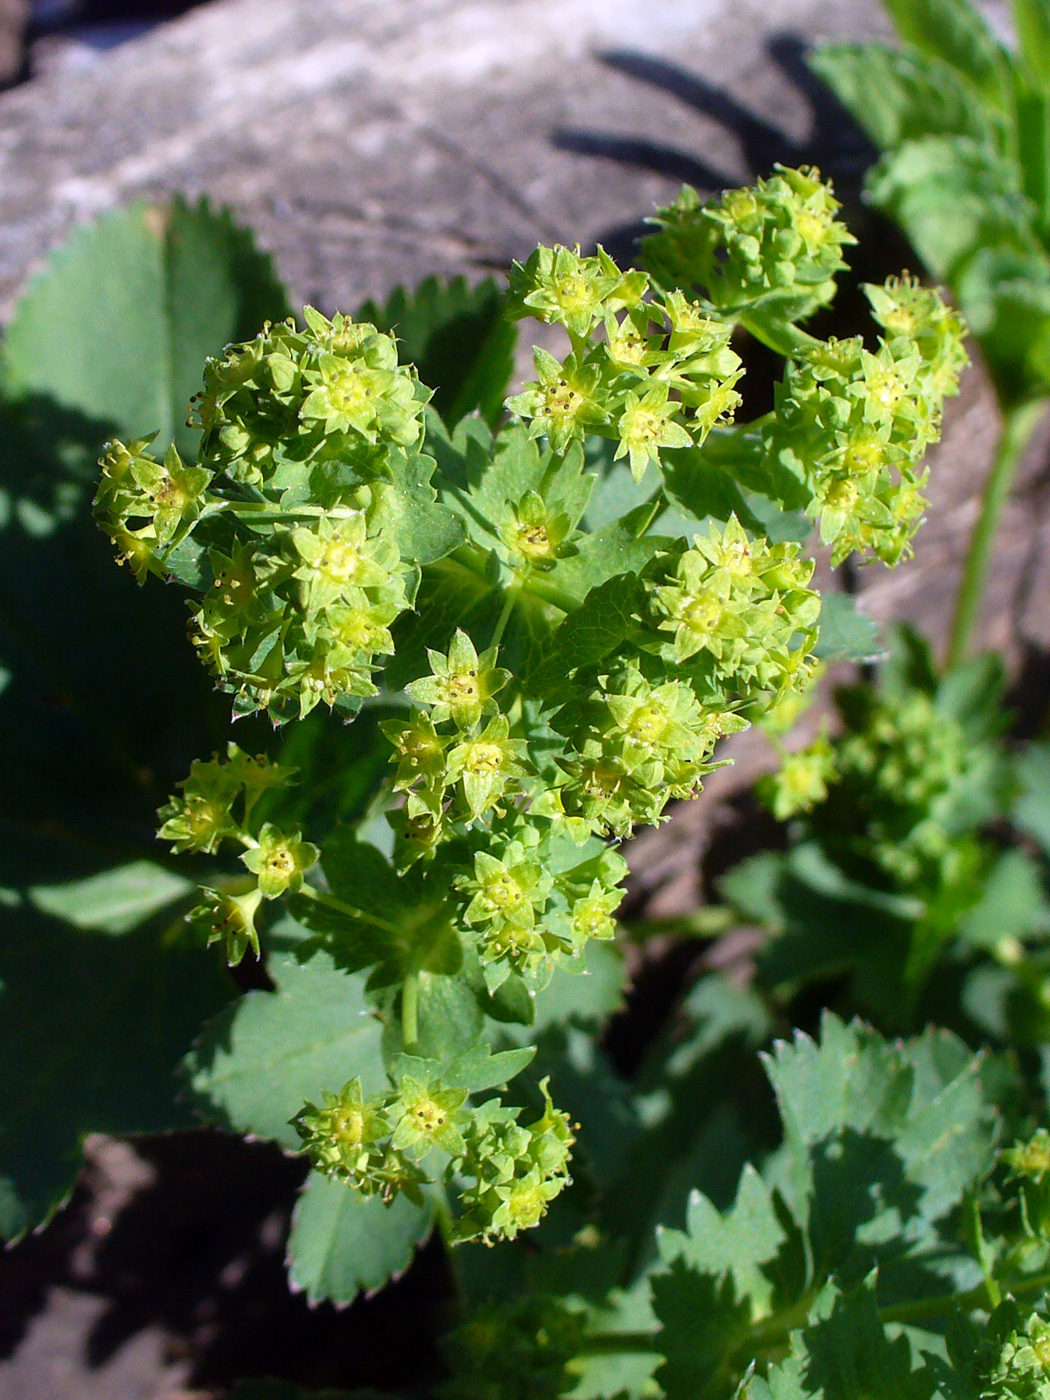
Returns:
(1013, 904)
(1006, 295)
(115, 901)
(900, 95)
(619, 548)
(119, 322)
(407, 510)
(738, 1243)
(846, 633)
(92, 1028)
(882, 1139)
(953, 196)
(1032, 811)
(954, 31)
(844, 1352)
(458, 338)
(266, 1055)
(705, 489)
(701, 1319)
(343, 1244)
(607, 616)
(480, 1069)
(1032, 120)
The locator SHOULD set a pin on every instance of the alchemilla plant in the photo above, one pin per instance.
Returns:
(546, 618)
(588, 681)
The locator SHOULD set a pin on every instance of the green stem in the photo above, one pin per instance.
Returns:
(944, 1303)
(254, 509)
(1018, 425)
(550, 593)
(783, 337)
(410, 1012)
(504, 617)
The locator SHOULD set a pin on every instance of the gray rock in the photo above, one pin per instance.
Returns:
(373, 144)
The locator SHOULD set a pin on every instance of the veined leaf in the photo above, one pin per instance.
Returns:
(267, 1054)
(92, 1028)
(459, 339)
(120, 320)
(343, 1244)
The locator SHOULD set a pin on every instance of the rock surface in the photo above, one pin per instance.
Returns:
(370, 144)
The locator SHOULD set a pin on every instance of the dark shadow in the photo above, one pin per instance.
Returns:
(199, 1254)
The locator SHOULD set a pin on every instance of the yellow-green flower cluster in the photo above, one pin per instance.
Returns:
(1021, 1370)
(852, 425)
(390, 1141)
(633, 747)
(332, 393)
(216, 804)
(457, 762)
(739, 614)
(526, 908)
(301, 614)
(281, 526)
(901, 772)
(652, 374)
(776, 243)
(144, 505)
(801, 781)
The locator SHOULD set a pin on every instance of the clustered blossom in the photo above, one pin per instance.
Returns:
(216, 804)
(310, 531)
(467, 781)
(1015, 1366)
(386, 1143)
(851, 425)
(887, 799)
(659, 376)
(281, 526)
(777, 243)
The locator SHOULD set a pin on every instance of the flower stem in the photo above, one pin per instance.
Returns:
(1018, 425)
(504, 617)
(410, 1011)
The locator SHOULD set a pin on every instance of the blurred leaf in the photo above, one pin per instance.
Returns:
(459, 340)
(952, 196)
(1032, 21)
(342, 1244)
(1013, 903)
(899, 95)
(846, 633)
(955, 32)
(1032, 811)
(115, 901)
